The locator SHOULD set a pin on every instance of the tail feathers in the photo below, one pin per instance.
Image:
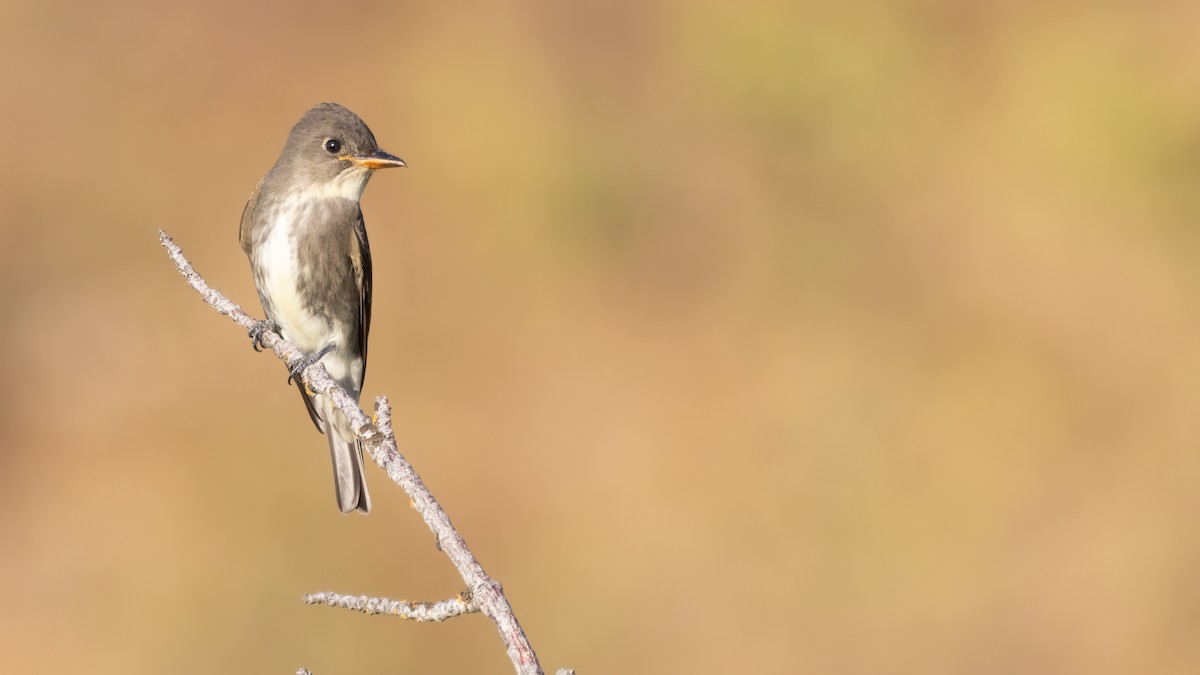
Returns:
(348, 479)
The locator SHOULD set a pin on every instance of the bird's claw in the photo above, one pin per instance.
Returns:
(256, 333)
(297, 368)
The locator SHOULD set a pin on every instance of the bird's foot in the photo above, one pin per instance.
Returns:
(299, 366)
(256, 333)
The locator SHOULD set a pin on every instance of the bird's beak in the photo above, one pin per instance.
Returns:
(376, 160)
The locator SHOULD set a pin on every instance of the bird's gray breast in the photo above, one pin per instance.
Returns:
(305, 277)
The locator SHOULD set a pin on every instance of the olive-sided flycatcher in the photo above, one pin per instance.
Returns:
(303, 232)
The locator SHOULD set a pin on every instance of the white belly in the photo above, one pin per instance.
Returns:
(278, 262)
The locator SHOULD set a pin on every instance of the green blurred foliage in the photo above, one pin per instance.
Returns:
(735, 337)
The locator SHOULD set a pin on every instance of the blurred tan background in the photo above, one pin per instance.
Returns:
(735, 337)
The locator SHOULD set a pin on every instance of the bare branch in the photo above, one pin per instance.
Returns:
(417, 611)
(485, 594)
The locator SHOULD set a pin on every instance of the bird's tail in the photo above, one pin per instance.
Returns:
(344, 449)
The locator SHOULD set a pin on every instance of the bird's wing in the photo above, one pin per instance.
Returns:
(360, 259)
(244, 228)
(308, 405)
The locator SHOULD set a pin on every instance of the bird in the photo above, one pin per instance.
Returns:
(303, 233)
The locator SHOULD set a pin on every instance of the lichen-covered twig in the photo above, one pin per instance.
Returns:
(485, 594)
(417, 611)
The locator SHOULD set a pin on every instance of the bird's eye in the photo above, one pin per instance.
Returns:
(333, 146)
